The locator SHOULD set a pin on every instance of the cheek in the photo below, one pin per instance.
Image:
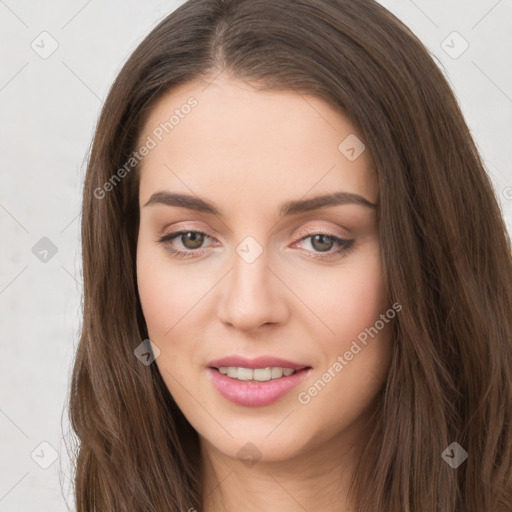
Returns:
(360, 300)
(352, 364)
(349, 298)
(166, 294)
(167, 306)
(158, 296)
(351, 304)
(175, 308)
(354, 310)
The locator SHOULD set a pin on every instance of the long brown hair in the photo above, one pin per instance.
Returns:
(445, 249)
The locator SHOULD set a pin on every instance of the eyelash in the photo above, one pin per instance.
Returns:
(346, 245)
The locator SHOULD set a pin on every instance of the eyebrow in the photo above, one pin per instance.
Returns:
(288, 208)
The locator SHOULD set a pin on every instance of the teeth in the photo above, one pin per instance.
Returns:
(232, 372)
(258, 374)
(245, 374)
(276, 372)
(261, 374)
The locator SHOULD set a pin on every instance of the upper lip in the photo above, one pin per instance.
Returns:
(258, 362)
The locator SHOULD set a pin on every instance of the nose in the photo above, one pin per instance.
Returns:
(251, 296)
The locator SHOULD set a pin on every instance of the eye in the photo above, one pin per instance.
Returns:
(191, 242)
(322, 245)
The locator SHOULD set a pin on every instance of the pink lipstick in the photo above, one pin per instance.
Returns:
(253, 389)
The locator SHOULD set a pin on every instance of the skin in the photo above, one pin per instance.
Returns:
(248, 151)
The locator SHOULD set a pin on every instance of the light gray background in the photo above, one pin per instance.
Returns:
(48, 110)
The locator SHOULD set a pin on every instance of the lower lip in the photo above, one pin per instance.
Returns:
(252, 393)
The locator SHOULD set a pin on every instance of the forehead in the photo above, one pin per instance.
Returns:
(231, 142)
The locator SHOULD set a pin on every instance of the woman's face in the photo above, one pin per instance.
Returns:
(265, 269)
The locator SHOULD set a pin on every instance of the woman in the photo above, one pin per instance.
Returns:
(297, 280)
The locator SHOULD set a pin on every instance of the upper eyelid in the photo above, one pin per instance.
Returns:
(303, 233)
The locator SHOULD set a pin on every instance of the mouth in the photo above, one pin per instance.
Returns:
(251, 384)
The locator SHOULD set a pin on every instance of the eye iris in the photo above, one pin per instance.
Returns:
(195, 239)
(324, 245)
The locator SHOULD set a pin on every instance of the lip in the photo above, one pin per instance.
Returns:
(253, 393)
(258, 362)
